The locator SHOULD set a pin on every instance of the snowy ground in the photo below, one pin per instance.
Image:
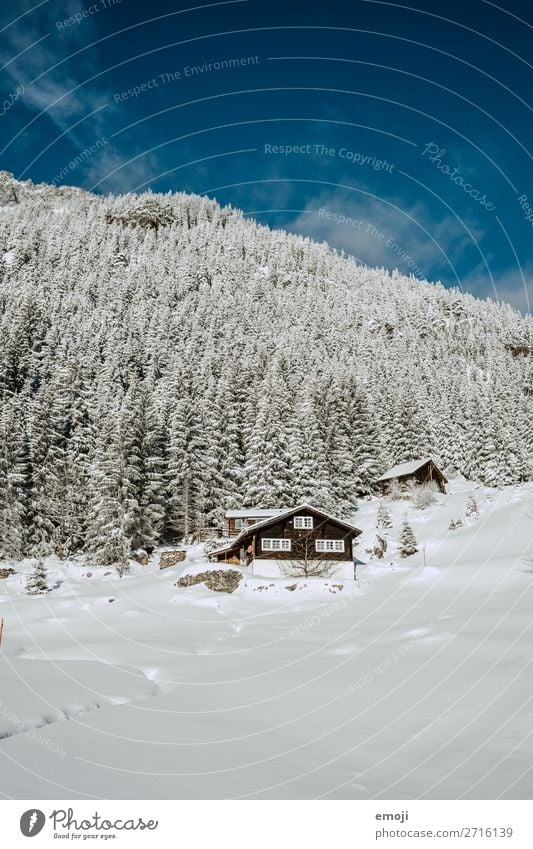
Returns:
(414, 682)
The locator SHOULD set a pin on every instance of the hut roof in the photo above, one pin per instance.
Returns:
(403, 469)
(253, 512)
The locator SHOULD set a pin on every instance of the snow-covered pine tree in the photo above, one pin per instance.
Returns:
(144, 471)
(366, 446)
(308, 473)
(37, 580)
(383, 519)
(407, 543)
(266, 472)
(187, 466)
(224, 450)
(410, 440)
(13, 478)
(44, 466)
(70, 448)
(337, 437)
(110, 517)
(471, 507)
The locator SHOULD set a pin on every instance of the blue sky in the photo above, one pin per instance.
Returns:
(398, 133)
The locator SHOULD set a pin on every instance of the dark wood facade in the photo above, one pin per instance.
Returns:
(236, 524)
(233, 527)
(252, 542)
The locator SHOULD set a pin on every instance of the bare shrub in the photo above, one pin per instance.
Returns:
(424, 496)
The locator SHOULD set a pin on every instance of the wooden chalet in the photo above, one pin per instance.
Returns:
(295, 534)
(413, 473)
(237, 520)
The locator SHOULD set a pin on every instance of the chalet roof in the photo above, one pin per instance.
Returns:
(409, 468)
(253, 512)
(282, 514)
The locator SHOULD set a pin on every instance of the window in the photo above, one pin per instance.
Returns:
(329, 544)
(276, 544)
(303, 522)
(239, 523)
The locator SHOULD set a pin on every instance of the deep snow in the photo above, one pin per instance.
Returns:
(413, 682)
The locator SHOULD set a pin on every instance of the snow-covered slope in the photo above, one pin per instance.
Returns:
(413, 682)
(163, 359)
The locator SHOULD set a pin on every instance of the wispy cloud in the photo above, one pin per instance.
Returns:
(513, 286)
(110, 171)
(31, 49)
(387, 232)
(78, 110)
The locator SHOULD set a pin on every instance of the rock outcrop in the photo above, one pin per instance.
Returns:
(170, 558)
(141, 556)
(218, 580)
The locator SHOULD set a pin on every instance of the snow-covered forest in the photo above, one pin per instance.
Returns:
(163, 359)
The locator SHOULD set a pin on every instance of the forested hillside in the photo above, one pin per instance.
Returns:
(163, 358)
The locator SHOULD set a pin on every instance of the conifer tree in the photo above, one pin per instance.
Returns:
(186, 464)
(267, 481)
(471, 507)
(37, 581)
(383, 519)
(407, 541)
(308, 474)
(224, 450)
(12, 484)
(109, 527)
(337, 435)
(142, 449)
(365, 439)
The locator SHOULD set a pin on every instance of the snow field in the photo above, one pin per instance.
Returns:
(412, 682)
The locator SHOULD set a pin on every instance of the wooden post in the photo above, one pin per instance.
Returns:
(1, 630)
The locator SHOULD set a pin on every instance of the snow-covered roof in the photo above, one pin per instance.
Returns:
(252, 513)
(251, 529)
(405, 469)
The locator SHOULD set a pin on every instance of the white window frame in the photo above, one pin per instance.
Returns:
(275, 544)
(303, 523)
(330, 546)
(238, 523)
